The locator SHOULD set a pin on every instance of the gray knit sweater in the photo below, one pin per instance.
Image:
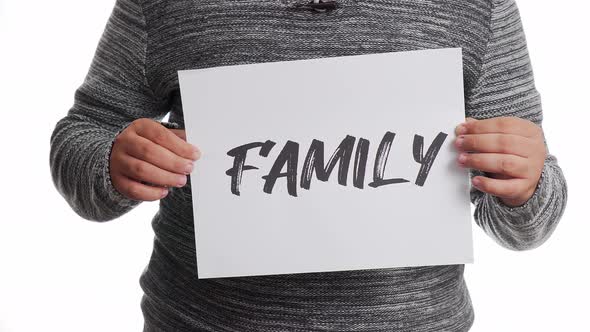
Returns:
(134, 75)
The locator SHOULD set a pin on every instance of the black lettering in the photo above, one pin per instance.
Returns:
(289, 155)
(239, 155)
(314, 161)
(360, 163)
(381, 162)
(426, 160)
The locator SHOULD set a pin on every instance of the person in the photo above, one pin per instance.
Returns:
(113, 150)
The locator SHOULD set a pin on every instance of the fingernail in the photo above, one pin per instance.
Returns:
(459, 141)
(164, 193)
(462, 158)
(196, 154)
(189, 168)
(476, 182)
(461, 130)
(181, 181)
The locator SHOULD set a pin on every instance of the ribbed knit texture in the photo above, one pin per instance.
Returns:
(134, 75)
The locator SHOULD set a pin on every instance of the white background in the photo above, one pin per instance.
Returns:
(59, 272)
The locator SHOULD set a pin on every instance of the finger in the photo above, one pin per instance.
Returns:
(138, 191)
(507, 164)
(504, 125)
(166, 138)
(510, 188)
(159, 156)
(180, 133)
(496, 143)
(140, 170)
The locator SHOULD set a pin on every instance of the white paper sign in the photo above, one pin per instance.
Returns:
(330, 164)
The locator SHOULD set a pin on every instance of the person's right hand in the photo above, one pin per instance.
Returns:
(146, 151)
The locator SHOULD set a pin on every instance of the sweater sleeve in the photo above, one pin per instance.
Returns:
(506, 88)
(114, 93)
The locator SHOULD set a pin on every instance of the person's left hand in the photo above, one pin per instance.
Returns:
(510, 150)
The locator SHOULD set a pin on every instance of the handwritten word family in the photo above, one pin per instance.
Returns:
(286, 163)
